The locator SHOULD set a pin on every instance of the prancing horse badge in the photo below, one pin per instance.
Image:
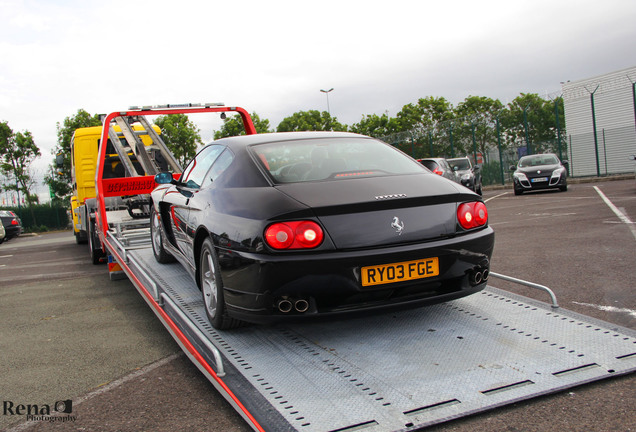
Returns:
(397, 225)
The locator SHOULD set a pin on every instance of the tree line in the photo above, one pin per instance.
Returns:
(432, 126)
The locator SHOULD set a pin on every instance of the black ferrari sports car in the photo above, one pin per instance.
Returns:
(297, 224)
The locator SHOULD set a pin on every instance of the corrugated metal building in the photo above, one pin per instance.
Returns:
(615, 114)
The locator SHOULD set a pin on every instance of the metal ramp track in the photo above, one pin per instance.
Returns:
(128, 232)
(137, 147)
(143, 154)
(122, 153)
(159, 145)
(400, 371)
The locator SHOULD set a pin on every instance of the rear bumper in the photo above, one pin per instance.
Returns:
(12, 231)
(330, 283)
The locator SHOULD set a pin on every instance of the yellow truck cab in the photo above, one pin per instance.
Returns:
(84, 151)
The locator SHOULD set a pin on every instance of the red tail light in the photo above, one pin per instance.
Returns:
(472, 215)
(438, 171)
(294, 235)
(14, 222)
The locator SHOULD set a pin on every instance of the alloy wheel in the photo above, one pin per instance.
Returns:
(209, 284)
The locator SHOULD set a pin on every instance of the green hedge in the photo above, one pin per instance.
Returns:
(42, 217)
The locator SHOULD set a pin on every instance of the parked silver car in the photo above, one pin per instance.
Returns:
(468, 174)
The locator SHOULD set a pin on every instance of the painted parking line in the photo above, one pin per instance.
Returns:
(622, 216)
(496, 196)
(631, 312)
(5, 256)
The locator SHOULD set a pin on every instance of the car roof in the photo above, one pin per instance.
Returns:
(539, 155)
(262, 138)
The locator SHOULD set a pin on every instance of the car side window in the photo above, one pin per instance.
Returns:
(220, 164)
(187, 169)
(195, 172)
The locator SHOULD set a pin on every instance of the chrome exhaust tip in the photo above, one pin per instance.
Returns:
(301, 305)
(477, 277)
(285, 306)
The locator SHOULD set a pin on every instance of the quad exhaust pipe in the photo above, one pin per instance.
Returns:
(286, 305)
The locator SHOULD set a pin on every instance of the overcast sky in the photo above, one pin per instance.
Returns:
(273, 57)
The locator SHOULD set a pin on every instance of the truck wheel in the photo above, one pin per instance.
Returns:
(212, 288)
(79, 238)
(161, 255)
(96, 252)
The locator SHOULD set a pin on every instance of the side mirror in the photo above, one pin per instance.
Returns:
(164, 178)
(455, 168)
(565, 163)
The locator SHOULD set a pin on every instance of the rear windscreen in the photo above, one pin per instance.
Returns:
(332, 159)
(432, 165)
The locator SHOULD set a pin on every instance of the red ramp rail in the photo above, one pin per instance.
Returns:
(139, 185)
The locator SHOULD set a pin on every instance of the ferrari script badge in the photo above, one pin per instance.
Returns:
(397, 225)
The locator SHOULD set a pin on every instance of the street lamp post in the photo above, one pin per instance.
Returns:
(327, 93)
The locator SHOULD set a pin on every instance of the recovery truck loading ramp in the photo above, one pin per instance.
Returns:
(389, 372)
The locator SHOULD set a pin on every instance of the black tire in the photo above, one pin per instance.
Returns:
(211, 286)
(96, 252)
(518, 191)
(156, 235)
(478, 189)
(80, 238)
(563, 188)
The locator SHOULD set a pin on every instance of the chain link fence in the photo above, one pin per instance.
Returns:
(497, 149)
(485, 142)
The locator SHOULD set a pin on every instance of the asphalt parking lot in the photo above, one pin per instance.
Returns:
(71, 334)
(572, 242)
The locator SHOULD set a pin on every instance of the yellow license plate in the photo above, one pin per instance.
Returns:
(400, 272)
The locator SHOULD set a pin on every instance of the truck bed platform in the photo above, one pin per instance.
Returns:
(391, 371)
